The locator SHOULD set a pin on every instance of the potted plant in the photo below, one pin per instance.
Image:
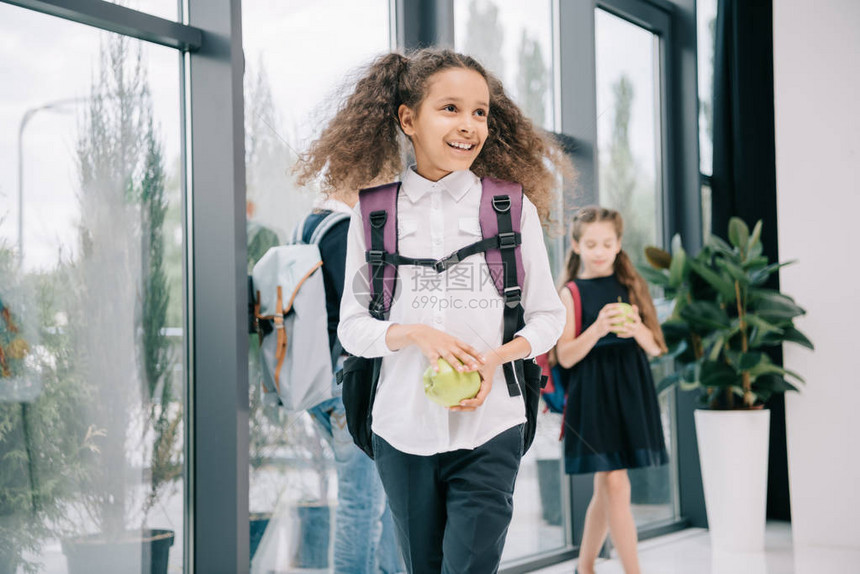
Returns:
(120, 297)
(722, 326)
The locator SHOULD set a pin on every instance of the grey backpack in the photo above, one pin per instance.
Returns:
(292, 322)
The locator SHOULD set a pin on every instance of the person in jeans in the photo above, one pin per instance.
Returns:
(365, 540)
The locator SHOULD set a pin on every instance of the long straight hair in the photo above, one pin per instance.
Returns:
(637, 287)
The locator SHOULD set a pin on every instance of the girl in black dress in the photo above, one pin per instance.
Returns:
(612, 419)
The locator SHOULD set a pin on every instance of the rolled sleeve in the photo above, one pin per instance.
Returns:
(544, 313)
(360, 333)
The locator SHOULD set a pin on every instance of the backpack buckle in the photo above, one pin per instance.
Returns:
(378, 218)
(501, 203)
(507, 239)
(375, 257)
(513, 295)
(443, 264)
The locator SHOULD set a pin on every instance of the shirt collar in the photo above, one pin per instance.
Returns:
(456, 183)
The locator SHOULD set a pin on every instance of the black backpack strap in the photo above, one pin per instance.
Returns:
(379, 214)
(324, 225)
(375, 257)
(440, 265)
(311, 230)
(513, 312)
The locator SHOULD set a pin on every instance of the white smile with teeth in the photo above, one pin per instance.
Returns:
(463, 146)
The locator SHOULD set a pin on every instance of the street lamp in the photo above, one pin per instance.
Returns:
(25, 119)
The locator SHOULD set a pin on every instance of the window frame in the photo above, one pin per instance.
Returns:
(208, 41)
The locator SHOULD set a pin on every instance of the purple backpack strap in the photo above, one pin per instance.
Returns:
(374, 202)
(491, 188)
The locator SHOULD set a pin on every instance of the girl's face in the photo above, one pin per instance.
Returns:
(597, 247)
(449, 127)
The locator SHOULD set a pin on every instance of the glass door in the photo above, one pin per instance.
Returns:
(92, 342)
(630, 162)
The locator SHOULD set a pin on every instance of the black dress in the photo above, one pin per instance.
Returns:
(612, 419)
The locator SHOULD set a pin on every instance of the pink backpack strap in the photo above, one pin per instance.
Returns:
(379, 214)
(500, 194)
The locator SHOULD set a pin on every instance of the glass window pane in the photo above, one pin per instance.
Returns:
(91, 283)
(706, 15)
(167, 9)
(514, 40)
(628, 128)
(630, 180)
(288, 98)
(298, 54)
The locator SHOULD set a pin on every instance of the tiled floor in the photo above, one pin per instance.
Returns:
(689, 552)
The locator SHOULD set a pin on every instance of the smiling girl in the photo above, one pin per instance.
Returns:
(449, 473)
(612, 420)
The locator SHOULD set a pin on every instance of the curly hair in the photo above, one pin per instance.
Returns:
(624, 269)
(361, 145)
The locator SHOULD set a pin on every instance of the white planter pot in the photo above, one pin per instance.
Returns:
(733, 447)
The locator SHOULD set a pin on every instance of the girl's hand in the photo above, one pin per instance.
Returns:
(487, 371)
(628, 330)
(435, 344)
(606, 320)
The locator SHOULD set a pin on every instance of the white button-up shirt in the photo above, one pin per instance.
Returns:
(434, 220)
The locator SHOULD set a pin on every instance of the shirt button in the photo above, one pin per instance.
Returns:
(437, 320)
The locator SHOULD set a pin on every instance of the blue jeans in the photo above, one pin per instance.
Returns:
(364, 541)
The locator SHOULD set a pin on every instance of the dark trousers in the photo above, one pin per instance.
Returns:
(452, 510)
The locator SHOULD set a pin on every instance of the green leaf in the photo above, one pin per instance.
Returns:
(722, 285)
(766, 368)
(755, 263)
(755, 251)
(653, 276)
(677, 244)
(788, 334)
(714, 354)
(676, 269)
(793, 335)
(739, 233)
(750, 360)
(761, 323)
(689, 377)
(734, 271)
(772, 383)
(755, 238)
(774, 307)
(761, 294)
(658, 258)
(718, 374)
(707, 315)
(689, 386)
(759, 276)
(718, 244)
(677, 349)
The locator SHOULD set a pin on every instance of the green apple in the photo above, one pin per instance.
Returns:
(627, 316)
(449, 386)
